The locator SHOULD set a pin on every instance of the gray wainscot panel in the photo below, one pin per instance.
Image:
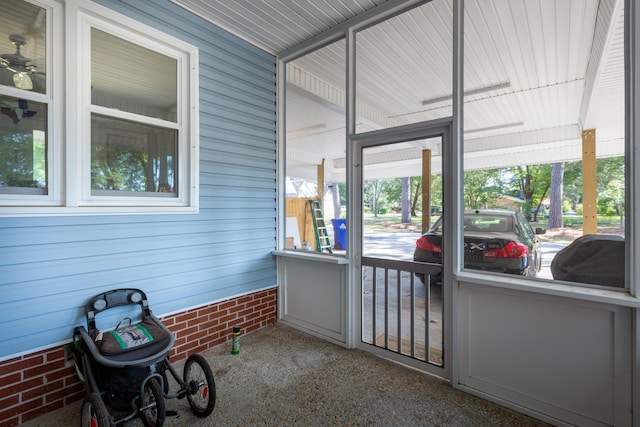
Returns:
(313, 294)
(562, 357)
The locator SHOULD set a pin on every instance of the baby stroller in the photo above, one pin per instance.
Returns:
(124, 371)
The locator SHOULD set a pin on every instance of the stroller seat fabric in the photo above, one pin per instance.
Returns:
(132, 342)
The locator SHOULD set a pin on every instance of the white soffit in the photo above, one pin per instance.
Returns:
(277, 25)
(553, 67)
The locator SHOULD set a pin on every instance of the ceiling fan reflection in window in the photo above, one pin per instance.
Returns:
(23, 69)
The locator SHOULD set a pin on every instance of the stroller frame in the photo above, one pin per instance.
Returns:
(145, 392)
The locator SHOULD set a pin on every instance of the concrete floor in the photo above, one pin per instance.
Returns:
(283, 377)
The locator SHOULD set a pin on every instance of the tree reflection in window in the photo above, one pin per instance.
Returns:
(23, 146)
(132, 157)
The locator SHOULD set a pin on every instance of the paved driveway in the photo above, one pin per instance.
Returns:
(390, 245)
(549, 251)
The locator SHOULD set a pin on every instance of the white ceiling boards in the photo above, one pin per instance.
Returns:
(536, 72)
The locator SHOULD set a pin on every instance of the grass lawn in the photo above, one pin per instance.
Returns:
(391, 223)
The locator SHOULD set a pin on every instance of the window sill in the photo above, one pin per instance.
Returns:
(619, 297)
(33, 211)
(312, 256)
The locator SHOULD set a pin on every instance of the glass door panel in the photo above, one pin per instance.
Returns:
(402, 300)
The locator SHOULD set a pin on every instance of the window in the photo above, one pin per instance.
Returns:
(135, 130)
(129, 113)
(23, 146)
(24, 104)
(315, 174)
(544, 131)
(129, 158)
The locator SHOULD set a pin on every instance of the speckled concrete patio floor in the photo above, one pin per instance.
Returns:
(286, 378)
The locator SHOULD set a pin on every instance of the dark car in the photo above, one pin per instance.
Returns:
(494, 240)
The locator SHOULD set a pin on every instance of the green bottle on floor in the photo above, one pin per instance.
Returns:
(235, 340)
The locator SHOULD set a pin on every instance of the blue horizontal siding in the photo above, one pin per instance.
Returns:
(50, 266)
(27, 257)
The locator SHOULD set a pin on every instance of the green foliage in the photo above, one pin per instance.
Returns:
(571, 220)
(531, 183)
(436, 189)
(342, 186)
(118, 168)
(611, 187)
(481, 187)
(484, 189)
(378, 193)
(22, 160)
(572, 186)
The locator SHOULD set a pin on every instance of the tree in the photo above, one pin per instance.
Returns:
(406, 211)
(611, 184)
(555, 196)
(436, 189)
(572, 184)
(416, 194)
(481, 187)
(392, 193)
(533, 182)
(373, 191)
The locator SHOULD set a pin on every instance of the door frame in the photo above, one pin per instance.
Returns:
(422, 130)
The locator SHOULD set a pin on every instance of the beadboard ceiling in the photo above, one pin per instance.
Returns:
(537, 73)
(275, 25)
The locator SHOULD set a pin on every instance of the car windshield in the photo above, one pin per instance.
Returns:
(489, 223)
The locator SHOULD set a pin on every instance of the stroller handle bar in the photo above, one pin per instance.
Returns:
(116, 298)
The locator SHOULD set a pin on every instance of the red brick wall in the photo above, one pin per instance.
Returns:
(200, 329)
(37, 383)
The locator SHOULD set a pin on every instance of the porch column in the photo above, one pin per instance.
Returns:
(320, 190)
(426, 190)
(589, 190)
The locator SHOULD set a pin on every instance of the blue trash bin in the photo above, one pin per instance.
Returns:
(339, 233)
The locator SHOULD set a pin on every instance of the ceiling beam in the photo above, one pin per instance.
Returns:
(317, 87)
(609, 12)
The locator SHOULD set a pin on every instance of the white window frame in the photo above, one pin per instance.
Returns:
(69, 124)
(54, 24)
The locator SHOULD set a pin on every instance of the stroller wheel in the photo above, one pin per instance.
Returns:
(200, 385)
(152, 404)
(94, 412)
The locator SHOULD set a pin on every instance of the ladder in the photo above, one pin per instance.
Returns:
(322, 238)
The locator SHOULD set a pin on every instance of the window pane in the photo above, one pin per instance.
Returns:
(23, 46)
(23, 146)
(132, 158)
(131, 78)
(315, 144)
(550, 143)
(403, 72)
